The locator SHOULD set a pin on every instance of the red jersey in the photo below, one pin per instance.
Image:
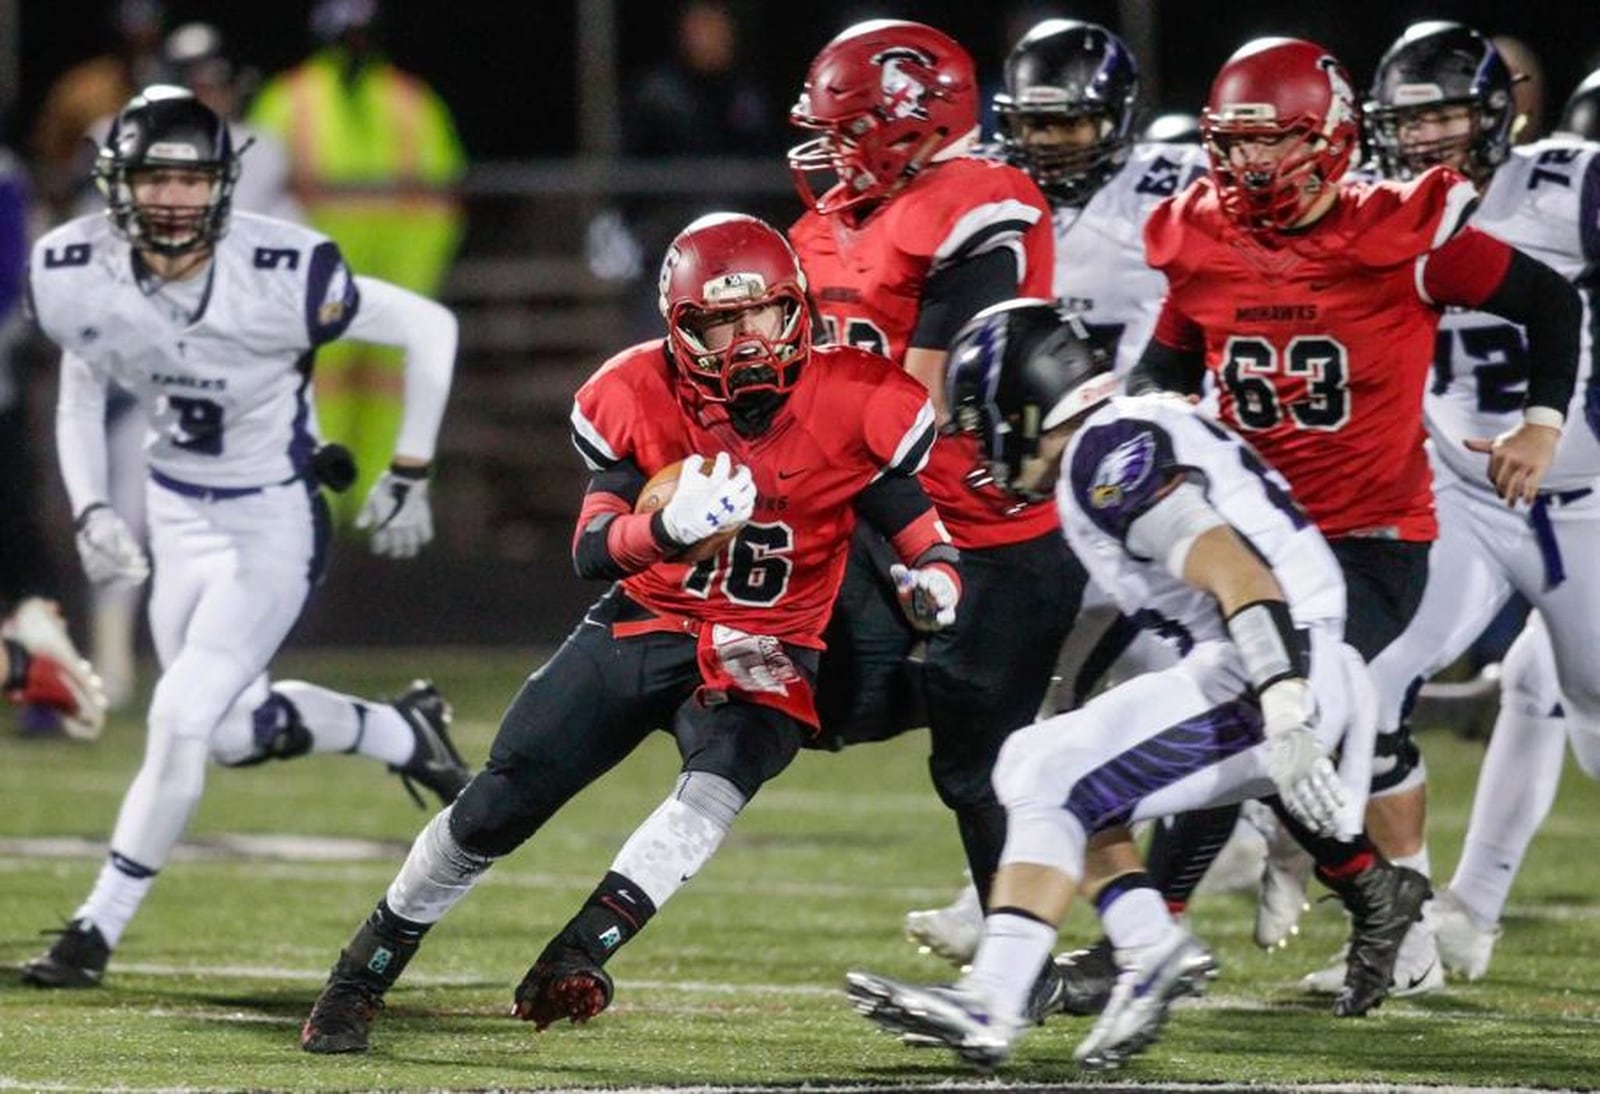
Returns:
(867, 282)
(1320, 342)
(851, 417)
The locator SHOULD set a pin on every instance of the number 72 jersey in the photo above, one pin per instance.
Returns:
(1544, 201)
(227, 391)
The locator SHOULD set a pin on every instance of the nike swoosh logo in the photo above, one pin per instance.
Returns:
(1417, 980)
(791, 474)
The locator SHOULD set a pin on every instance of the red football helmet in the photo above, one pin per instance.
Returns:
(887, 97)
(1281, 115)
(721, 265)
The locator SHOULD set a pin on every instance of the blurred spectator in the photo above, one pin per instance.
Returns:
(1527, 88)
(195, 56)
(700, 101)
(87, 92)
(375, 162)
(1581, 116)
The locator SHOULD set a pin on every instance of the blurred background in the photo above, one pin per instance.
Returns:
(527, 163)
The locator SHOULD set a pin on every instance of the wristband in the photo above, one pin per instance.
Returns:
(1270, 646)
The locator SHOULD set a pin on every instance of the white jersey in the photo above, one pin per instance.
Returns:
(1115, 471)
(221, 365)
(1101, 271)
(1545, 201)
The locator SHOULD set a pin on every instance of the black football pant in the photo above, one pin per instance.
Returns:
(591, 705)
(981, 679)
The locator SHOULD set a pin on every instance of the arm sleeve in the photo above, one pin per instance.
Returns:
(81, 433)
(1525, 291)
(1174, 358)
(611, 540)
(955, 293)
(392, 316)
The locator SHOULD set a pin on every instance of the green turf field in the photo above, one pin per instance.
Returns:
(736, 982)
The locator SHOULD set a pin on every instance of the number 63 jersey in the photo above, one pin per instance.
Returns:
(220, 363)
(1321, 341)
(1544, 201)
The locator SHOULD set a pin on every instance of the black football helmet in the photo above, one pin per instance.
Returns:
(1064, 71)
(1581, 116)
(167, 127)
(1433, 65)
(1016, 371)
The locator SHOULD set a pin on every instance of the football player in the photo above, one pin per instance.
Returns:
(212, 319)
(42, 667)
(1581, 116)
(1314, 307)
(914, 236)
(1066, 115)
(789, 444)
(1442, 95)
(1187, 528)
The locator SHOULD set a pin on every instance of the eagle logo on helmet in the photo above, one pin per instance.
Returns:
(903, 93)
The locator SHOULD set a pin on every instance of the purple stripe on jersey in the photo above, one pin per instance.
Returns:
(302, 445)
(1589, 211)
(1107, 795)
(13, 241)
(328, 316)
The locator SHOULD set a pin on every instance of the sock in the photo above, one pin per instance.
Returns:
(1336, 858)
(680, 837)
(1418, 862)
(116, 896)
(1014, 948)
(1133, 912)
(617, 910)
(1516, 787)
(1183, 849)
(381, 949)
(348, 723)
(437, 873)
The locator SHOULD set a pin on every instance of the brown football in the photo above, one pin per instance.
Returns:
(659, 490)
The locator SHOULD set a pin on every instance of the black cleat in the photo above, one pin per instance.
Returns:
(1383, 901)
(564, 983)
(77, 959)
(340, 1018)
(435, 764)
(1087, 977)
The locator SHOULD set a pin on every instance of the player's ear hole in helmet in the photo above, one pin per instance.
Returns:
(1067, 110)
(167, 145)
(886, 97)
(738, 322)
(1441, 94)
(1019, 370)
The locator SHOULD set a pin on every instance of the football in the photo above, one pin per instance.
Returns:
(659, 490)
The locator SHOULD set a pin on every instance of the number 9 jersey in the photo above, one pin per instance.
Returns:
(221, 362)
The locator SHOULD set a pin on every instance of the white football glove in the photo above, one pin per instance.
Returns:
(708, 502)
(397, 512)
(110, 551)
(927, 595)
(1305, 777)
(54, 675)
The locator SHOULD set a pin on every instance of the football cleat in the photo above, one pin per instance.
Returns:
(1284, 877)
(1465, 943)
(935, 1015)
(1383, 900)
(435, 763)
(1418, 969)
(77, 958)
(564, 983)
(951, 932)
(1088, 977)
(1152, 978)
(340, 1017)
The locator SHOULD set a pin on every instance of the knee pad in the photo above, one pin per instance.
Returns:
(276, 732)
(497, 812)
